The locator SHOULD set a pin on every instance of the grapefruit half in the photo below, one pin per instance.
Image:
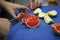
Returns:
(56, 28)
(31, 21)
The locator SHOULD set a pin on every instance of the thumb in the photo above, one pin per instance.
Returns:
(11, 12)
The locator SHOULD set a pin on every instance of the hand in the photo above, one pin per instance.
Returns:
(35, 3)
(11, 7)
(21, 15)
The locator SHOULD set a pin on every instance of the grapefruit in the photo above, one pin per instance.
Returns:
(21, 15)
(31, 21)
(56, 28)
(26, 18)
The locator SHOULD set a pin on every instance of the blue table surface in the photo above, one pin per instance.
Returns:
(19, 31)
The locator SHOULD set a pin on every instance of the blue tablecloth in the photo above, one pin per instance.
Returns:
(19, 31)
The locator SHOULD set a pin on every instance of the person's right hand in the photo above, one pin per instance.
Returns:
(35, 3)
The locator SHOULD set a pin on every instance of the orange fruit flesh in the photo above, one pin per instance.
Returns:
(31, 21)
(29, 18)
(56, 27)
(26, 17)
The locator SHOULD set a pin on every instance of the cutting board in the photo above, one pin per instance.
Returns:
(44, 31)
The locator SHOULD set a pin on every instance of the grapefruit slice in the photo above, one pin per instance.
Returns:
(26, 18)
(32, 24)
(31, 21)
(56, 28)
(21, 15)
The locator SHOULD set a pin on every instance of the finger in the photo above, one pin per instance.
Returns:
(31, 3)
(36, 4)
(39, 2)
(11, 12)
(26, 9)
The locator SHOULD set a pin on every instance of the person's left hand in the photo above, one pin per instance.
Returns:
(11, 7)
(35, 3)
